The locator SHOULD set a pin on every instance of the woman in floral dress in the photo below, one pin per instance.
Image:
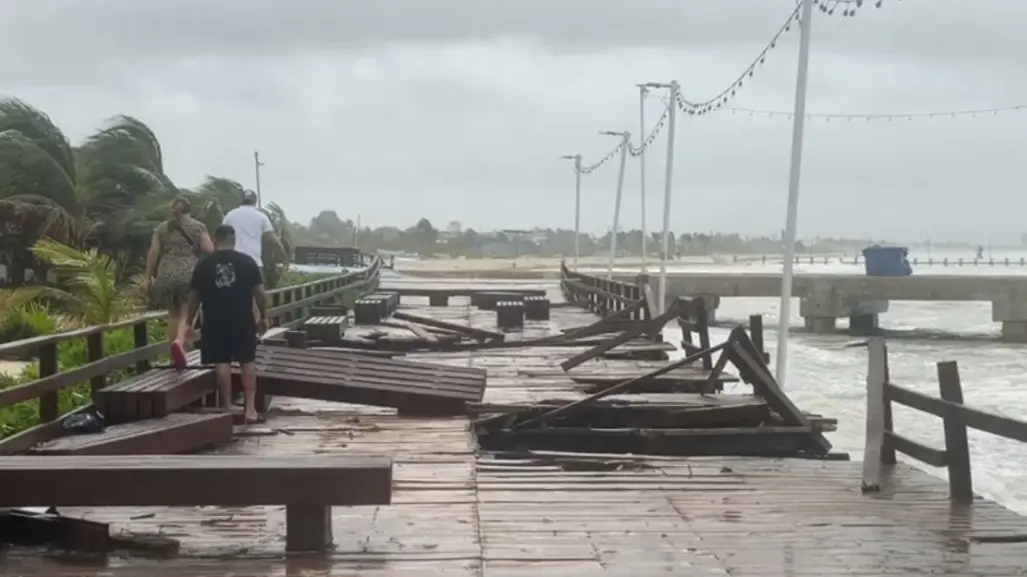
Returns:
(176, 246)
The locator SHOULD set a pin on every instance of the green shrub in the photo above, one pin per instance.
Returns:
(71, 354)
(26, 322)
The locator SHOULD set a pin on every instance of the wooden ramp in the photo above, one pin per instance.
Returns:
(177, 433)
(327, 375)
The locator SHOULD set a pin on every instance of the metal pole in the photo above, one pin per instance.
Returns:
(577, 209)
(625, 142)
(256, 167)
(641, 177)
(791, 224)
(671, 115)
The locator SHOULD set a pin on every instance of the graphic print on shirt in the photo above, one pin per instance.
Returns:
(224, 275)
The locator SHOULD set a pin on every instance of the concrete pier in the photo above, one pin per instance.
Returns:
(824, 298)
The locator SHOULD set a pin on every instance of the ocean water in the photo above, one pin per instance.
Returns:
(826, 377)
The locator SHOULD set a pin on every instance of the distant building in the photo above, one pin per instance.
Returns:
(1023, 240)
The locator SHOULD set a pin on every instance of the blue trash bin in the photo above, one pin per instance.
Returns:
(887, 261)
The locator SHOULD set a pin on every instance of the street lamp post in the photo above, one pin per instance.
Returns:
(791, 218)
(577, 205)
(256, 168)
(625, 137)
(667, 187)
(642, 90)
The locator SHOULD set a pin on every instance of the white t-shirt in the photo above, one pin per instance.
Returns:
(250, 226)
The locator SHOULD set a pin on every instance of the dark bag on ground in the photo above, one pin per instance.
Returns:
(84, 423)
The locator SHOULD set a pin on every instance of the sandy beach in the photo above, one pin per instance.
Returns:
(12, 368)
(532, 267)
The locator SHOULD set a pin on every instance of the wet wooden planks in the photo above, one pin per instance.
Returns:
(458, 515)
(176, 433)
(327, 375)
(700, 516)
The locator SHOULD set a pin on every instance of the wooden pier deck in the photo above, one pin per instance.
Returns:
(457, 512)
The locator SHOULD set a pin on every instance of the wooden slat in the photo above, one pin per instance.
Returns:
(178, 433)
(173, 480)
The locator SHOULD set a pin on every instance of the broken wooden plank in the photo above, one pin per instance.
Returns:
(622, 338)
(476, 333)
(765, 386)
(625, 386)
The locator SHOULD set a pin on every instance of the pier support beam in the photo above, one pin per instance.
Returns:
(820, 325)
(824, 305)
(863, 324)
(1014, 331)
(1011, 311)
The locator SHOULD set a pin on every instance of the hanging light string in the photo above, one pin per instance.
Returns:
(829, 7)
(631, 149)
(652, 134)
(887, 117)
(602, 161)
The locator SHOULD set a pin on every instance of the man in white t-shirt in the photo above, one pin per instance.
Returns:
(251, 227)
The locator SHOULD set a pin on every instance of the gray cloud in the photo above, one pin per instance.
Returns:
(458, 109)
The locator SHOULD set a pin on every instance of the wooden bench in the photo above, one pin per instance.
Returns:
(509, 314)
(308, 486)
(337, 376)
(486, 300)
(536, 308)
(327, 329)
(177, 433)
(155, 393)
(373, 308)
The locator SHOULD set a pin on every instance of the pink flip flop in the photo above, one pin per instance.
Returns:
(178, 357)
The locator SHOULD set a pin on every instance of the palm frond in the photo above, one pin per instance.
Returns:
(13, 299)
(28, 168)
(16, 115)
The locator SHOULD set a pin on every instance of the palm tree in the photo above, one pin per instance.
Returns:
(274, 264)
(88, 286)
(107, 194)
(110, 192)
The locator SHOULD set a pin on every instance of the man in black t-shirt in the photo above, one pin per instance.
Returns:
(226, 283)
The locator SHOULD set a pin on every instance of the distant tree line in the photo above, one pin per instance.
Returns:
(456, 240)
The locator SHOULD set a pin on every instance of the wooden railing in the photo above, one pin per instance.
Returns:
(882, 442)
(288, 307)
(602, 296)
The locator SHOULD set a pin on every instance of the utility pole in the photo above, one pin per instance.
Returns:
(668, 187)
(791, 218)
(256, 168)
(642, 90)
(624, 143)
(577, 205)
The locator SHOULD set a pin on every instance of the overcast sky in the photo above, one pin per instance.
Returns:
(458, 109)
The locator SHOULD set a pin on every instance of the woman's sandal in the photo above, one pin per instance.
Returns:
(178, 357)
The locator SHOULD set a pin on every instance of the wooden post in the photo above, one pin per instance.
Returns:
(957, 448)
(142, 338)
(875, 423)
(703, 324)
(308, 528)
(888, 452)
(48, 410)
(94, 350)
(756, 335)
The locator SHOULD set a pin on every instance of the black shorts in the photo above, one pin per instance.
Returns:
(238, 346)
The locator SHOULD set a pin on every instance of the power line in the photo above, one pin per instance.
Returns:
(890, 116)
